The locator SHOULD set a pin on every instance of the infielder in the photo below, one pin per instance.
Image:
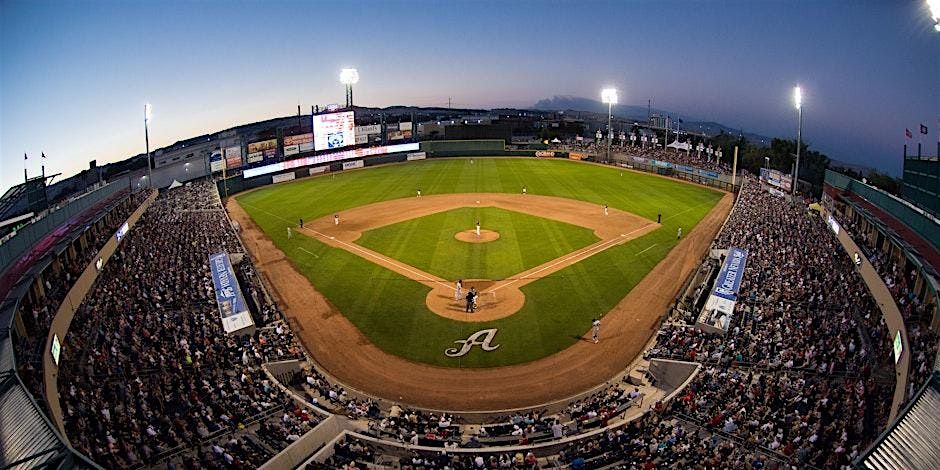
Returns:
(679, 233)
(478, 228)
(419, 192)
(458, 289)
(595, 329)
(524, 190)
(605, 209)
(301, 222)
(335, 219)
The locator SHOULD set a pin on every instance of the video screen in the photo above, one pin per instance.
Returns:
(334, 131)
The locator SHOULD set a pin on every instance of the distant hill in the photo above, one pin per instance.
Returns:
(639, 113)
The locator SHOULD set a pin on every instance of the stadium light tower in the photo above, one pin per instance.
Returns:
(609, 96)
(148, 113)
(798, 101)
(349, 77)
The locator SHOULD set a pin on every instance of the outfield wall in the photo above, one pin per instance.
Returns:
(467, 148)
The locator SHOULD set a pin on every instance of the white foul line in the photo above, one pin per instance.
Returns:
(354, 247)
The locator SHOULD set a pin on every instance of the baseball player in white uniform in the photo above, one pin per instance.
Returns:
(478, 228)
(335, 219)
(605, 209)
(458, 289)
(288, 233)
(595, 329)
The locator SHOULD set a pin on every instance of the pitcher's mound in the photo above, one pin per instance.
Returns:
(470, 236)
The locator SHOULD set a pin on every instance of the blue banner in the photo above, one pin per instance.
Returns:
(661, 164)
(732, 271)
(685, 169)
(232, 306)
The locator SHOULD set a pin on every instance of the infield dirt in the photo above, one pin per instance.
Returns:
(338, 347)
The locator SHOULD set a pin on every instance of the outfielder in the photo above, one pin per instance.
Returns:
(288, 233)
(595, 329)
(679, 233)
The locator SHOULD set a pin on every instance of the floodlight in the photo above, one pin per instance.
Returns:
(349, 76)
(148, 111)
(934, 6)
(798, 97)
(609, 95)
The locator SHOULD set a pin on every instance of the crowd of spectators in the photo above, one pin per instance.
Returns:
(678, 157)
(922, 342)
(147, 371)
(57, 281)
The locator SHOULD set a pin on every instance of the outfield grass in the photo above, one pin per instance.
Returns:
(525, 241)
(390, 309)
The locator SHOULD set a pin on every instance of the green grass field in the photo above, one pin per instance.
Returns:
(525, 241)
(390, 308)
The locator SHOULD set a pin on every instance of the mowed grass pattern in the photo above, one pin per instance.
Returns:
(390, 308)
(525, 241)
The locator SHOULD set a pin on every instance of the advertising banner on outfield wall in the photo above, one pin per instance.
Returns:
(263, 145)
(406, 130)
(317, 170)
(294, 144)
(232, 307)
(282, 177)
(255, 157)
(417, 156)
(333, 131)
(353, 164)
(233, 157)
(215, 161)
(575, 156)
(329, 157)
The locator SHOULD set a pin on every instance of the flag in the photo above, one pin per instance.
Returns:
(25, 157)
(907, 132)
(680, 121)
(923, 129)
(43, 155)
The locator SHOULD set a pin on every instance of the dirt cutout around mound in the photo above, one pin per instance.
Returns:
(505, 297)
(470, 236)
(343, 352)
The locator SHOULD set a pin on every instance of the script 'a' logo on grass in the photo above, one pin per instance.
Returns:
(474, 340)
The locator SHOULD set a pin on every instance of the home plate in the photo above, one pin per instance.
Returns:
(332, 238)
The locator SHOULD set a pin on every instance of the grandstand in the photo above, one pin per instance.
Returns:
(114, 355)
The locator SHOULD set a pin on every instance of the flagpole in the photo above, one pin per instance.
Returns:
(25, 175)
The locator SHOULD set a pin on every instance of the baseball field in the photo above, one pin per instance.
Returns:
(548, 262)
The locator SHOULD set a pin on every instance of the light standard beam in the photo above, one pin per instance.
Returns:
(798, 101)
(147, 115)
(609, 96)
(349, 77)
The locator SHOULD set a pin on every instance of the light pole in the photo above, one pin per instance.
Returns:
(798, 101)
(349, 77)
(147, 115)
(609, 96)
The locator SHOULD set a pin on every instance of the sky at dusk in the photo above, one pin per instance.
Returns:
(74, 76)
